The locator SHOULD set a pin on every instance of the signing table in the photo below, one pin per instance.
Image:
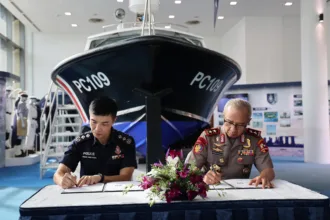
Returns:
(286, 201)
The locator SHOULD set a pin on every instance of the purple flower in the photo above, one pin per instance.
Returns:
(146, 182)
(158, 164)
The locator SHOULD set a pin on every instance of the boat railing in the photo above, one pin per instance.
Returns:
(128, 25)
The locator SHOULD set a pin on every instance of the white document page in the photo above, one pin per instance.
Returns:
(120, 186)
(242, 184)
(222, 185)
(86, 189)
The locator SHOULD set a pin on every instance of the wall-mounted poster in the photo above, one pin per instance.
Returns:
(284, 115)
(272, 98)
(257, 124)
(257, 115)
(270, 116)
(271, 129)
(285, 123)
(297, 103)
(298, 112)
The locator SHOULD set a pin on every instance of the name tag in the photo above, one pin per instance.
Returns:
(246, 152)
(119, 156)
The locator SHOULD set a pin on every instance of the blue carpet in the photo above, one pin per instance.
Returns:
(19, 183)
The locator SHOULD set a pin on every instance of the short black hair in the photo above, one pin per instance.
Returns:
(103, 106)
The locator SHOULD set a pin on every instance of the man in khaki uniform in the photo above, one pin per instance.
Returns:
(232, 149)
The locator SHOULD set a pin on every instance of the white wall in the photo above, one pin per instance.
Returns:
(233, 45)
(273, 49)
(47, 51)
(267, 49)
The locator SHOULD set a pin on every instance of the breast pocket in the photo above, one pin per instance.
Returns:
(113, 165)
(245, 160)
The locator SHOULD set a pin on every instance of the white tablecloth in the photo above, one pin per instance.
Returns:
(50, 196)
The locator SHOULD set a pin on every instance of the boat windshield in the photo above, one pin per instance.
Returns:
(113, 38)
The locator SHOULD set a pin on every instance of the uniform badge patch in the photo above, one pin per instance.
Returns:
(117, 151)
(128, 141)
(124, 138)
(119, 136)
(198, 149)
(240, 160)
(248, 142)
(222, 138)
(88, 135)
(262, 146)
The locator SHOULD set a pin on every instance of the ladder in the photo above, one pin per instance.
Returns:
(60, 124)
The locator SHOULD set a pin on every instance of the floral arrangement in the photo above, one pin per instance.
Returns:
(174, 180)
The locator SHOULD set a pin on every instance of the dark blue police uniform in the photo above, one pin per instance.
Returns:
(96, 158)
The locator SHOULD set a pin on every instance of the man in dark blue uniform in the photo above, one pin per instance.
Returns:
(105, 154)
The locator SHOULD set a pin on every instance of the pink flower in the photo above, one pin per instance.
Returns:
(196, 179)
(184, 173)
(146, 182)
(172, 193)
(201, 189)
(192, 194)
(174, 153)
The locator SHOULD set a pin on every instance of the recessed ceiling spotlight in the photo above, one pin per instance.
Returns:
(221, 17)
(233, 3)
(74, 25)
(168, 26)
(288, 4)
(120, 0)
(67, 13)
(177, 2)
(171, 16)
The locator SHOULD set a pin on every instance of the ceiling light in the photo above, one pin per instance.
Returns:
(120, 0)
(233, 3)
(288, 4)
(74, 25)
(221, 17)
(67, 13)
(177, 2)
(171, 16)
(168, 26)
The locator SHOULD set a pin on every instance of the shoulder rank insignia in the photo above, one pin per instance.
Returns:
(85, 136)
(212, 131)
(125, 138)
(253, 132)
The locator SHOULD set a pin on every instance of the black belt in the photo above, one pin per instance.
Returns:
(9, 113)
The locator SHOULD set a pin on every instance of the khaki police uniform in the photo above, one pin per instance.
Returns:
(235, 157)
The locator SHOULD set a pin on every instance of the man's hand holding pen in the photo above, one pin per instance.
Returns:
(213, 176)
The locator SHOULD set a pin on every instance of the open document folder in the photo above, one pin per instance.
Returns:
(120, 186)
(105, 187)
(235, 184)
(86, 189)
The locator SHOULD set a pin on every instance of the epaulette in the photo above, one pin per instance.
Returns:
(212, 131)
(84, 137)
(125, 137)
(253, 132)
